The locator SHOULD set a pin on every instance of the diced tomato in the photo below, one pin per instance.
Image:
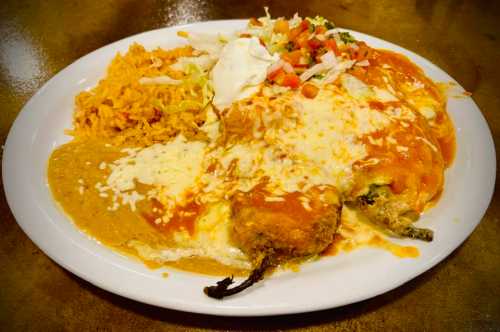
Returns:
(320, 29)
(314, 43)
(281, 26)
(310, 90)
(274, 74)
(293, 57)
(291, 80)
(304, 25)
(332, 45)
(295, 32)
(302, 39)
(376, 105)
(302, 65)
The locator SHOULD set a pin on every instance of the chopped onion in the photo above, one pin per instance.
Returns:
(329, 59)
(311, 36)
(275, 66)
(316, 69)
(321, 37)
(331, 31)
(334, 73)
(288, 68)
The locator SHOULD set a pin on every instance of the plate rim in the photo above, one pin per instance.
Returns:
(9, 184)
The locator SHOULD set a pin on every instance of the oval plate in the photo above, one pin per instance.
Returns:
(328, 283)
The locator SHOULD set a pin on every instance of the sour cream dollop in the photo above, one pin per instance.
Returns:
(241, 68)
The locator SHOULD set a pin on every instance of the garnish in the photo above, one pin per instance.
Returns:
(221, 290)
(346, 37)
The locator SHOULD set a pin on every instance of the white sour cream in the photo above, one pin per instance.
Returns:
(241, 68)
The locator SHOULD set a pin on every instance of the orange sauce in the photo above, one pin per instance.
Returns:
(448, 147)
(290, 204)
(419, 169)
(184, 217)
(341, 244)
(395, 249)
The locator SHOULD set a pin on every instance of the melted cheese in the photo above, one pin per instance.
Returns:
(318, 147)
(174, 166)
(211, 240)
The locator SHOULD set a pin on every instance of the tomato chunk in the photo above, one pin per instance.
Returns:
(314, 43)
(291, 80)
(281, 26)
(332, 45)
(310, 90)
(274, 74)
(293, 57)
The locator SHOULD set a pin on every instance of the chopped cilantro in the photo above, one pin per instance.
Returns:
(346, 37)
(329, 25)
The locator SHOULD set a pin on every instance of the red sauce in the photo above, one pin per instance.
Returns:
(184, 217)
(448, 147)
(291, 203)
(419, 169)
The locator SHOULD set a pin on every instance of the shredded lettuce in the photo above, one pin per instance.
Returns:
(196, 78)
(277, 43)
(316, 21)
(321, 21)
(295, 21)
(204, 61)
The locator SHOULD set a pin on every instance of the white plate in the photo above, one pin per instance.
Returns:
(330, 282)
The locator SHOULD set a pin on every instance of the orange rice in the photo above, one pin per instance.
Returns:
(123, 111)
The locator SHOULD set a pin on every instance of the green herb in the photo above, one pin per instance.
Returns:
(329, 25)
(347, 38)
(289, 46)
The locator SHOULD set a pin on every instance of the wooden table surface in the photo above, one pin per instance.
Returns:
(39, 38)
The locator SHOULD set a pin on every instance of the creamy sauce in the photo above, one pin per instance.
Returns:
(355, 232)
(76, 165)
(73, 172)
(242, 66)
(74, 169)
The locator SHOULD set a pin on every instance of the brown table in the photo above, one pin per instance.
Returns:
(39, 38)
